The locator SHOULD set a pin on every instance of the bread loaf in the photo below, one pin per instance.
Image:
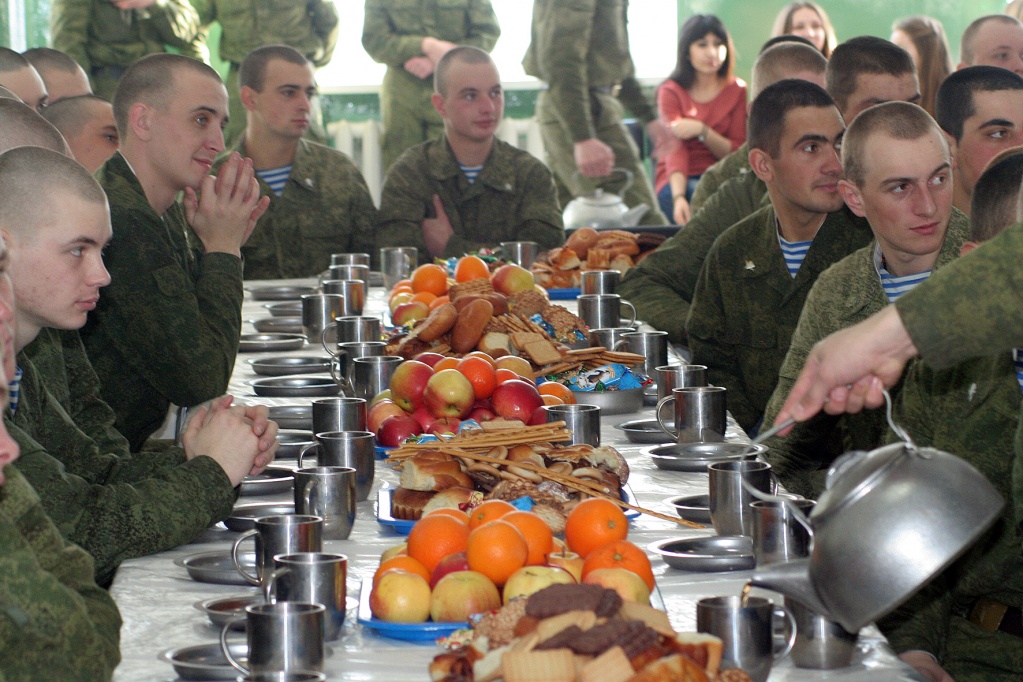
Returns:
(433, 471)
(581, 240)
(438, 322)
(470, 325)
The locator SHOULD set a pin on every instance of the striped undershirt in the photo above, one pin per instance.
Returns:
(895, 286)
(471, 172)
(794, 253)
(276, 178)
(13, 389)
(1017, 359)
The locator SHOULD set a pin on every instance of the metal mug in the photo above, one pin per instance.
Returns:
(611, 338)
(582, 420)
(700, 414)
(329, 493)
(341, 363)
(352, 328)
(679, 376)
(283, 636)
(283, 676)
(777, 534)
(746, 631)
(604, 310)
(281, 534)
(370, 375)
(353, 291)
(821, 643)
(349, 259)
(354, 449)
(730, 511)
(313, 577)
(358, 272)
(397, 263)
(651, 345)
(520, 253)
(339, 414)
(600, 281)
(319, 312)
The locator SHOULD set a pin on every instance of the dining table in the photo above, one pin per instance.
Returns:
(157, 597)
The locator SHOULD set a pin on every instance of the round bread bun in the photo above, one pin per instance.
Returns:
(581, 240)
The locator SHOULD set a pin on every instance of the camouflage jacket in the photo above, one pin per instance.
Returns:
(55, 622)
(95, 33)
(661, 286)
(581, 45)
(746, 304)
(513, 199)
(732, 165)
(849, 292)
(971, 410)
(325, 208)
(311, 27)
(114, 504)
(166, 329)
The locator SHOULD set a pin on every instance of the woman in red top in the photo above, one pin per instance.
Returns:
(704, 104)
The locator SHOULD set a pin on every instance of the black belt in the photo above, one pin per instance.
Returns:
(994, 616)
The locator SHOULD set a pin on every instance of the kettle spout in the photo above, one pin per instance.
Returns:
(632, 217)
(792, 579)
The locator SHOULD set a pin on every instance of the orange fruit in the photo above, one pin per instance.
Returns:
(552, 400)
(453, 513)
(438, 302)
(485, 356)
(593, 523)
(425, 297)
(470, 267)
(401, 563)
(434, 537)
(489, 511)
(446, 363)
(497, 549)
(621, 554)
(481, 375)
(430, 277)
(557, 390)
(537, 533)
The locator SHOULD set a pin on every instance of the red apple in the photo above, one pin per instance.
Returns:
(510, 279)
(401, 597)
(460, 594)
(530, 579)
(449, 564)
(424, 417)
(395, 430)
(516, 399)
(539, 416)
(627, 584)
(381, 411)
(444, 425)
(449, 394)
(569, 561)
(482, 414)
(408, 383)
(429, 358)
(409, 312)
(398, 299)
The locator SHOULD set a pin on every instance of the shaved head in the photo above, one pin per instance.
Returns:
(62, 75)
(21, 126)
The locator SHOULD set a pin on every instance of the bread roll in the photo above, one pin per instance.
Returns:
(449, 498)
(438, 323)
(408, 504)
(563, 258)
(581, 240)
(433, 471)
(469, 327)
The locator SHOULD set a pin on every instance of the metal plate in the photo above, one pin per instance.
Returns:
(286, 309)
(643, 431)
(718, 553)
(206, 661)
(292, 443)
(292, 416)
(696, 457)
(295, 386)
(224, 610)
(272, 480)
(281, 293)
(258, 343)
(244, 516)
(628, 401)
(695, 508)
(216, 567)
(289, 365)
(278, 325)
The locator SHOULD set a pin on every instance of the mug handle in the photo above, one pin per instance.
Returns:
(790, 629)
(660, 422)
(235, 663)
(269, 593)
(323, 342)
(306, 449)
(632, 320)
(253, 579)
(620, 344)
(307, 496)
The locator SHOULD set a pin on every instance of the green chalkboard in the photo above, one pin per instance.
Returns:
(750, 21)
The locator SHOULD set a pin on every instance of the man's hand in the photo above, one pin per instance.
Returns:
(420, 67)
(225, 436)
(437, 231)
(926, 666)
(224, 214)
(264, 429)
(665, 143)
(593, 158)
(434, 49)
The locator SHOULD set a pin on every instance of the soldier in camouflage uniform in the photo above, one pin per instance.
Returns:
(410, 37)
(321, 204)
(852, 289)
(748, 298)
(468, 190)
(166, 329)
(581, 117)
(106, 37)
(309, 26)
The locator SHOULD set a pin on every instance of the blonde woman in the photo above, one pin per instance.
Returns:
(808, 20)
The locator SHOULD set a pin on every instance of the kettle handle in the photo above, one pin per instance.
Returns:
(624, 171)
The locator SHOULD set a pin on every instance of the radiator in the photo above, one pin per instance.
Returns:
(360, 140)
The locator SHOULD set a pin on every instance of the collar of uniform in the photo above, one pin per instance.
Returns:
(495, 175)
(301, 175)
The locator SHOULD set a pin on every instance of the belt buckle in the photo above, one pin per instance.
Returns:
(988, 614)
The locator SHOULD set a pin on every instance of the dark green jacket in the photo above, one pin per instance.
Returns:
(55, 623)
(662, 285)
(325, 208)
(513, 199)
(746, 304)
(166, 328)
(309, 26)
(114, 504)
(847, 293)
(732, 165)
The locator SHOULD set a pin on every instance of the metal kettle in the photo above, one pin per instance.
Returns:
(890, 520)
(601, 210)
